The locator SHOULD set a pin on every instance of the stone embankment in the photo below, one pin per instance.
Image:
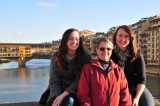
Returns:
(153, 70)
(4, 61)
(35, 103)
(157, 102)
(26, 103)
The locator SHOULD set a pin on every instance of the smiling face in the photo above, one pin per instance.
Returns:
(73, 41)
(104, 51)
(122, 39)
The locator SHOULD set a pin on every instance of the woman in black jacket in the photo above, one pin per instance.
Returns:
(127, 55)
(65, 70)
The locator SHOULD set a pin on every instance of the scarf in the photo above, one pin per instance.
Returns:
(122, 55)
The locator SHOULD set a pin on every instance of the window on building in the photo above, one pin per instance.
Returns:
(152, 33)
(152, 51)
(152, 39)
(152, 45)
(152, 57)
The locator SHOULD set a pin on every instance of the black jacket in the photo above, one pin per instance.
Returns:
(134, 71)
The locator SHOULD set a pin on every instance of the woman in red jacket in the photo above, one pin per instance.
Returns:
(102, 82)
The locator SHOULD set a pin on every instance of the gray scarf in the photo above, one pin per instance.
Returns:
(122, 55)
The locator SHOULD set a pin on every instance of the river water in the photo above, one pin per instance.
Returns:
(24, 84)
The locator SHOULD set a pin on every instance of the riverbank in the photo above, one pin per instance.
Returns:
(35, 103)
(157, 102)
(153, 70)
(4, 61)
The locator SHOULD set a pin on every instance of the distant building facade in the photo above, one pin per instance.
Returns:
(147, 32)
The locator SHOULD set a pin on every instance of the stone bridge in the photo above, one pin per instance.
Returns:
(22, 60)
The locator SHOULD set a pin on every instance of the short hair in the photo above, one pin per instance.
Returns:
(103, 39)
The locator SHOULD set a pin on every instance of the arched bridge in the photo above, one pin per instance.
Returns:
(22, 59)
(23, 52)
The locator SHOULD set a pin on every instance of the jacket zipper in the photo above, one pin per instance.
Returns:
(108, 90)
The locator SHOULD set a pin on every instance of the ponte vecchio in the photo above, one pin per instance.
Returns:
(23, 52)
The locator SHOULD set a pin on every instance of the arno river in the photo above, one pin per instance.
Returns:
(24, 84)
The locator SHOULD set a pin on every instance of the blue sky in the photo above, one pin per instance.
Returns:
(36, 21)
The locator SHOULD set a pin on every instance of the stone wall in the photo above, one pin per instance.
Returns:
(27, 103)
(35, 103)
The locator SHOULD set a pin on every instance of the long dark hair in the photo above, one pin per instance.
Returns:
(80, 52)
(132, 44)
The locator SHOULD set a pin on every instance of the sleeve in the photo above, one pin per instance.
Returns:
(83, 92)
(140, 68)
(125, 97)
(73, 87)
(54, 81)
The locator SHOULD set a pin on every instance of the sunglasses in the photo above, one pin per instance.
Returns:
(103, 49)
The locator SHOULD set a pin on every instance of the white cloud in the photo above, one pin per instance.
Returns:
(45, 4)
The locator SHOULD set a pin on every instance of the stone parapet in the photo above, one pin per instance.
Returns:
(35, 103)
(153, 70)
(25, 103)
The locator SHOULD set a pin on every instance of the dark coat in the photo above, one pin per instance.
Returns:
(67, 82)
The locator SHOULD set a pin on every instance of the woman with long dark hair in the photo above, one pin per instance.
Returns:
(127, 55)
(65, 70)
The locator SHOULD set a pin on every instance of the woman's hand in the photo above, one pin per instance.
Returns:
(135, 102)
(139, 90)
(60, 98)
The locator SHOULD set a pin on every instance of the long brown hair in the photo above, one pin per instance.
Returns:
(132, 44)
(80, 52)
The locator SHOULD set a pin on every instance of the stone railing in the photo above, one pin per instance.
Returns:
(26, 103)
(35, 103)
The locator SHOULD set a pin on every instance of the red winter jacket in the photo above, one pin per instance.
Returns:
(96, 88)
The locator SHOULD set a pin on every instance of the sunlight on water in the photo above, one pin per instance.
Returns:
(15, 92)
(21, 84)
(15, 86)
